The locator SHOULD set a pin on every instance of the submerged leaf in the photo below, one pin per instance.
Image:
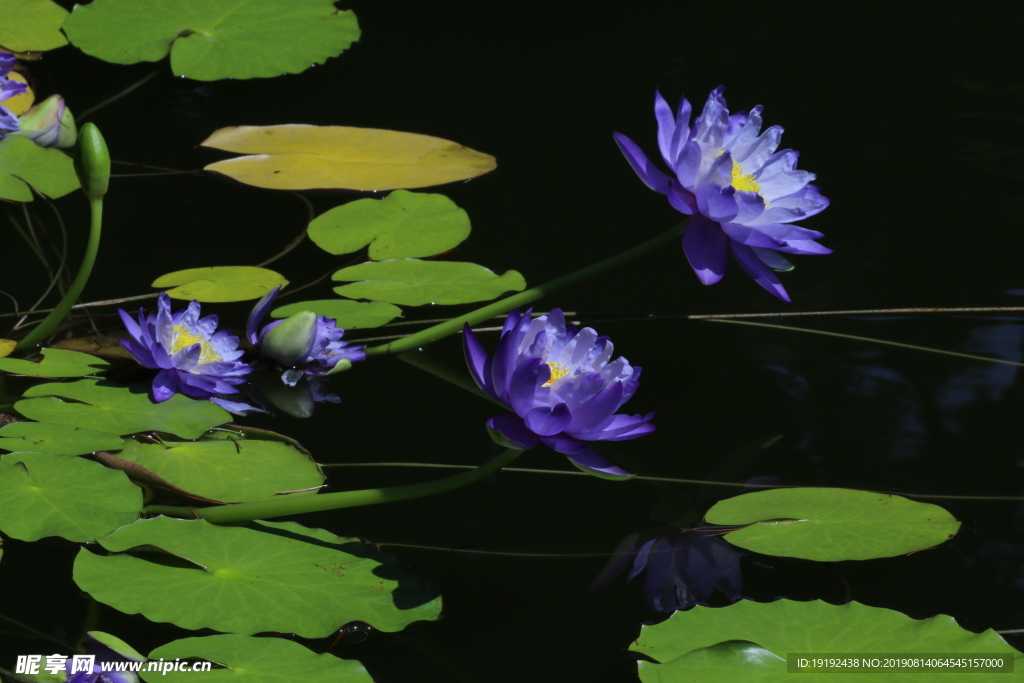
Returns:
(262, 577)
(213, 39)
(410, 282)
(42, 494)
(117, 409)
(788, 626)
(32, 25)
(402, 225)
(830, 525)
(349, 315)
(256, 660)
(56, 363)
(232, 471)
(220, 284)
(24, 164)
(303, 157)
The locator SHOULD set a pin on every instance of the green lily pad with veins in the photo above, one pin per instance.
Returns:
(213, 39)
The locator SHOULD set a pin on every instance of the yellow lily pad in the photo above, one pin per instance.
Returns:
(303, 157)
(220, 284)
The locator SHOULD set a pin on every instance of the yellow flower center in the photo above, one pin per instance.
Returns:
(743, 181)
(184, 338)
(558, 371)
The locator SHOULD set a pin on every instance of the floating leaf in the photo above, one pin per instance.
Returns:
(787, 626)
(233, 471)
(23, 163)
(302, 157)
(263, 577)
(256, 660)
(49, 495)
(32, 25)
(401, 225)
(117, 409)
(350, 315)
(830, 525)
(413, 283)
(56, 363)
(220, 284)
(213, 39)
(38, 437)
(7, 347)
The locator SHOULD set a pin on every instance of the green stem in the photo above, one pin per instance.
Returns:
(61, 310)
(453, 326)
(872, 340)
(293, 505)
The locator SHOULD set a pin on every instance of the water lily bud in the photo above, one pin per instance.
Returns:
(289, 341)
(92, 161)
(49, 124)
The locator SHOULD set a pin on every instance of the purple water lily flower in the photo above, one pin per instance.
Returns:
(684, 567)
(741, 193)
(108, 650)
(302, 344)
(192, 356)
(562, 387)
(8, 88)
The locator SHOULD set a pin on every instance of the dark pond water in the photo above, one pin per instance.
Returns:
(912, 123)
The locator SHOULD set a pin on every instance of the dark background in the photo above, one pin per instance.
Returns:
(912, 123)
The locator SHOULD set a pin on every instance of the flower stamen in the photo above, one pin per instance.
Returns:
(558, 371)
(744, 182)
(184, 338)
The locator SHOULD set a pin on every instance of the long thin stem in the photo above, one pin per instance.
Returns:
(110, 100)
(88, 259)
(310, 215)
(676, 480)
(871, 340)
(866, 311)
(293, 505)
(432, 334)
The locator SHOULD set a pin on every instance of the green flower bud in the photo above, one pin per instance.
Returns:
(92, 161)
(49, 124)
(289, 341)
